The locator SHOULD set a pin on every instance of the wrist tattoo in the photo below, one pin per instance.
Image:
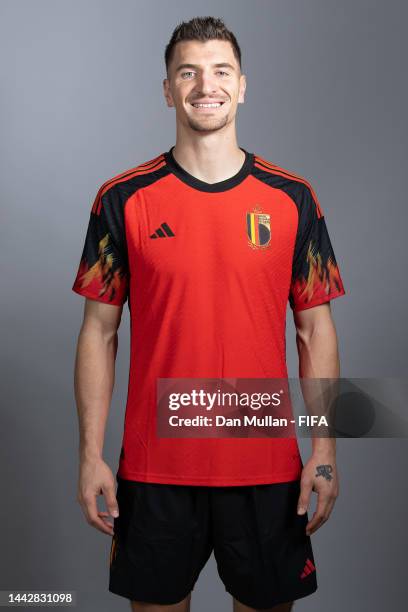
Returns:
(325, 471)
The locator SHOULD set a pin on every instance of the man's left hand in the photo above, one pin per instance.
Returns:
(319, 474)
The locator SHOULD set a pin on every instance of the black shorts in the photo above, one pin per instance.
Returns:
(165, 534)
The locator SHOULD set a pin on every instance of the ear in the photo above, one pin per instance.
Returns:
(242, 89)
(167, 92)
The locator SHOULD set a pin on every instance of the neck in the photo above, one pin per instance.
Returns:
(210, 157)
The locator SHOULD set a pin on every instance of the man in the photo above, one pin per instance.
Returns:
(208, 243)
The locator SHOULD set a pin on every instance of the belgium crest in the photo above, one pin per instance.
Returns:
(258, 228)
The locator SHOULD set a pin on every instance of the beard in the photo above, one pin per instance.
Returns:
(207, 125)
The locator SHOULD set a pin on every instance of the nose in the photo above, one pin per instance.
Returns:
(206, 83)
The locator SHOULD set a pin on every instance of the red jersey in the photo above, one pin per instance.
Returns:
(208, 270)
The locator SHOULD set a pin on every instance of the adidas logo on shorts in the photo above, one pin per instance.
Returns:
(308, 569)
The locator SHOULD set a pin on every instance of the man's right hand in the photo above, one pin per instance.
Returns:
(96, 478)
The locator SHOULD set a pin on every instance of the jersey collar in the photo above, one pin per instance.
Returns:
(196, 183)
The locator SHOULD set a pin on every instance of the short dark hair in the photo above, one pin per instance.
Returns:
(202, 29)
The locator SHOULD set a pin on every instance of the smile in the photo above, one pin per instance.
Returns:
(209, 105)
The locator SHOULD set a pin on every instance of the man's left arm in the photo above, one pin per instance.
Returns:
(317, 347)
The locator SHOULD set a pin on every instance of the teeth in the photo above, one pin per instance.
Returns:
(214, 105)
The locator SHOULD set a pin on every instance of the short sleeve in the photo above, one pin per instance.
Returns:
(103, 273)
(315, 273)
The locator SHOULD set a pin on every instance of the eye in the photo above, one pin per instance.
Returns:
(222, 72)
(183, 73)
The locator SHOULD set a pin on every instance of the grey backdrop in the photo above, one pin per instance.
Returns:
(82, 101)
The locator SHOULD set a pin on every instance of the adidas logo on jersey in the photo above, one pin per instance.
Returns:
(162, 232)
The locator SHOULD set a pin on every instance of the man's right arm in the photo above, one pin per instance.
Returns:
(94, 382)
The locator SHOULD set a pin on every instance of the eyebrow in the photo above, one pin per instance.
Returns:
(219, 65)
